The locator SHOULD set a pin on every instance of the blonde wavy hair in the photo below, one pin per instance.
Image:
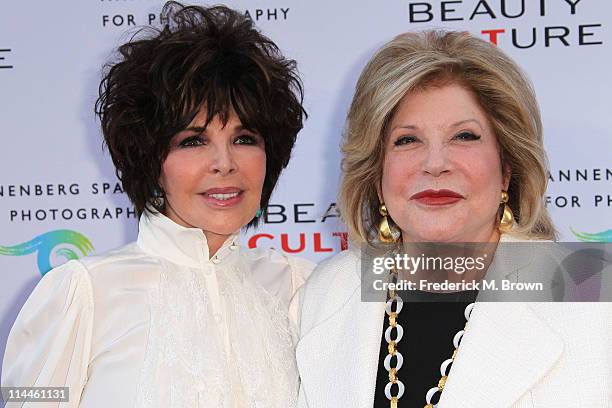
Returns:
(414, 61)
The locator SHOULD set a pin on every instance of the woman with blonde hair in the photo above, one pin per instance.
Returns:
(443, 144)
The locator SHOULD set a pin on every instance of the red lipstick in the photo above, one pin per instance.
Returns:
(437, 197)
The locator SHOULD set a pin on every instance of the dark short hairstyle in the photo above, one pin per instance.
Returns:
(210, 57)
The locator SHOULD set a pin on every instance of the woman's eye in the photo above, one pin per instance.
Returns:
(403, 140)
(467, 136)
(192, 141)
(246, 139)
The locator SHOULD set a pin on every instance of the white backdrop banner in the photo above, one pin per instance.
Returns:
(59, 197)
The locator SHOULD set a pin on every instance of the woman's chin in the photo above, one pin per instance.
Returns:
(225, 223)
(227, 229)
(438, 234)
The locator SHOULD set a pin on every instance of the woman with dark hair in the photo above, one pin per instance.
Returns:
(200, 119)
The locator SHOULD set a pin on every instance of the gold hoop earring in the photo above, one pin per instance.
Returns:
(386, 233)
(507, 219)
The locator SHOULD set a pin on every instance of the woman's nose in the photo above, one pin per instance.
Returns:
(436, 161)
(223, 161)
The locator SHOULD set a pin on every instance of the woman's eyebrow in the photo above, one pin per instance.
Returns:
(409, 127)
(462, 122)
(456, 124)
(200, 129)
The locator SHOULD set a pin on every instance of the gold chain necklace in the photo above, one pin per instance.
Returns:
(393, 351)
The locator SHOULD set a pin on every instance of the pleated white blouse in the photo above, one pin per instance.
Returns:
(157, 323)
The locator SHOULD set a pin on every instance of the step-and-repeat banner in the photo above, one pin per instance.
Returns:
(59, 197)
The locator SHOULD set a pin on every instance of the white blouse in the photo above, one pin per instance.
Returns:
(157, 323)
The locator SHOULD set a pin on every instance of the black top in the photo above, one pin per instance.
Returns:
(430, 321)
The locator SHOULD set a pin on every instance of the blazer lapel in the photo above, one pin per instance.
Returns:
(506, 349)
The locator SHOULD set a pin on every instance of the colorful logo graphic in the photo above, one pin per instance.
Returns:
(604, 236)
(53, 243)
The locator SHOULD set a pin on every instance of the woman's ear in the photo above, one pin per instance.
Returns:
(160, 182)
(507, 174)
(379, 192)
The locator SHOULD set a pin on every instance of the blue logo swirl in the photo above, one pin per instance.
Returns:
(58, 242)
(604, 236)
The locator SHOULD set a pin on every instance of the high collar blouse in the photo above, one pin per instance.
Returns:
(160, 323)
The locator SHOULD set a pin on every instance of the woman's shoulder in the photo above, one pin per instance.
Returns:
(279, 273)
(344, 262)
(340, 271)
(271, 258)
(72, 283)
(580, 270)
(123, 256)
(518, 237)
(109, 276)
(115, 264)
(69, 280)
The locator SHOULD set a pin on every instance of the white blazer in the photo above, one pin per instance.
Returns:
(513, 354)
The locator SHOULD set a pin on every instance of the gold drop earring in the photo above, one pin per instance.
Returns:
(386, 234)
(507, 219)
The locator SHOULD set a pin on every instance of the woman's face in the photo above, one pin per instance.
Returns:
(213, 177)
(442, 175)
